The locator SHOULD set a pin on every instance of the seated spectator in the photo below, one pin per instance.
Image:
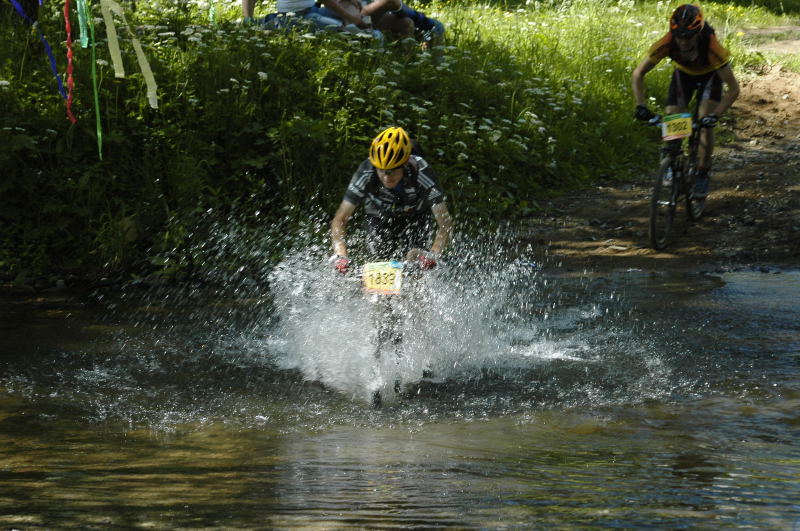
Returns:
(353, 15)
(333, 15)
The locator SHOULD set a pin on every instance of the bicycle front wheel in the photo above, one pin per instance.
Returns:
(662, 205)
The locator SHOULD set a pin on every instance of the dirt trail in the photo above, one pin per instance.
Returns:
(752, 214)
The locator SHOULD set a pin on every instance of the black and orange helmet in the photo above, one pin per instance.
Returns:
(686, 21)
(390, 149)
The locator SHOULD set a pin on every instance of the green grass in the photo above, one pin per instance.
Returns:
(521, 102)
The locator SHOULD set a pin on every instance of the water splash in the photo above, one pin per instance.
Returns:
(487, 313)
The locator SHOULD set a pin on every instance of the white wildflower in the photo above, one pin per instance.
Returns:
(262, 76)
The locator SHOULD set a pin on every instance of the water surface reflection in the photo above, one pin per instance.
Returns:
(625, 400)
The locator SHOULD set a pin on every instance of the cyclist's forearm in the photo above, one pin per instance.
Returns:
(339, 248)
(731, 90)
(337, 237)
(637, 81)
(727, 100)
(444, 228)
(338, 226)
(638, 90)
(441, 240)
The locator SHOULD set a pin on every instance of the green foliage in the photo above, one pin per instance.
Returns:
(518, 105)
(790, 7)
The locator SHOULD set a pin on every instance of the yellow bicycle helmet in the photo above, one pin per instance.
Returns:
(390, 149)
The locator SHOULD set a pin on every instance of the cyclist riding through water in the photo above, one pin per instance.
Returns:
(702, 65)
(399, 193)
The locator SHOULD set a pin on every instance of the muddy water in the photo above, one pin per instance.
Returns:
(558, 400)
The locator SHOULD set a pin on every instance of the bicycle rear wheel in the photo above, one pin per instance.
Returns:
(662, 205)
(694, 206)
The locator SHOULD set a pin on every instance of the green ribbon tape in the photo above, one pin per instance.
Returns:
(88, 15)
(82, 23)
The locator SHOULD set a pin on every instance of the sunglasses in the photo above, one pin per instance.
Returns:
(387, 172)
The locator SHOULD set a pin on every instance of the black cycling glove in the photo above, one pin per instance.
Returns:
(643, 113)
(709, 120)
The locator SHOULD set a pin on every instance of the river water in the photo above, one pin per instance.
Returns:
(558, 399)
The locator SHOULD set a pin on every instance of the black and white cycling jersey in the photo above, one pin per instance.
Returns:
(416, 194)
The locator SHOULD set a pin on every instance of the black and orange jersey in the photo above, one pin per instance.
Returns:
(716, 56)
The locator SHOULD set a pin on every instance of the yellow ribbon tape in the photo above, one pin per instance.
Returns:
(113, 41)
(107, 7)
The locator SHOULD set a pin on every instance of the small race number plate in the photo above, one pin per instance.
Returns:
(675, 126)
(385, 278)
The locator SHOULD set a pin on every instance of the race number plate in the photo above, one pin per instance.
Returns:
(675, 126)
(385, 278)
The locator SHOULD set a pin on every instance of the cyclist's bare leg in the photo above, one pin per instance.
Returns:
(706, 147)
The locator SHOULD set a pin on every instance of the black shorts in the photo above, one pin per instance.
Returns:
(392, 238)
(683, 86)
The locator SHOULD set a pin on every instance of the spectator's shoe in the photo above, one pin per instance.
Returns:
(429, 28)
(700, 189)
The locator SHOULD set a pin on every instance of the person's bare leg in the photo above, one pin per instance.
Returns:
(379, 7)
(403, 26)
(384, 20)
(248, 8)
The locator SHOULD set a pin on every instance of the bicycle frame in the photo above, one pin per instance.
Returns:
(675, 179)
(396, 308)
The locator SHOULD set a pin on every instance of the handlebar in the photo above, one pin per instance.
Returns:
(657, 120)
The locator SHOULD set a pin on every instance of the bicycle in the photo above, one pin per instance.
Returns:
(391, 286)
(676, 174)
